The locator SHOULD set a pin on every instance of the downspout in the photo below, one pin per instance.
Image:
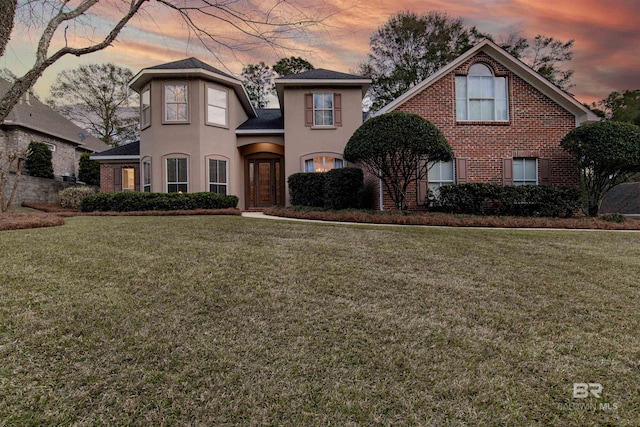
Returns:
(381, 195)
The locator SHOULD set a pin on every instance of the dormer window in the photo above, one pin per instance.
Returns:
(176, 102)
(481, 96)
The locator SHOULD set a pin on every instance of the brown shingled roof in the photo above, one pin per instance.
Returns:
(32, 114)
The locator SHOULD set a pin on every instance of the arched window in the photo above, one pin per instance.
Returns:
(480, 96)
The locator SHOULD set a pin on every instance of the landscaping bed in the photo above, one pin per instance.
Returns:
(449, 220)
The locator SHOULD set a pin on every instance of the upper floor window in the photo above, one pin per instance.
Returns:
(525, 171)
(480, 96)
(177, 176)
(440, 174)
(216, 106)
(323, 109)
(51, 147)
(322, 164)
(145, 108)
(176, 102)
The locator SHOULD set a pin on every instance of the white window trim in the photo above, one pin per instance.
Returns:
(166, 173)
(226, 108)
(209, 182)
(523, 180)
(333, 110)
(164, 102)
(495, 99)
(52, 147)
(441, 182)
(143, 124)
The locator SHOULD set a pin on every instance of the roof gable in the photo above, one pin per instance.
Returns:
(568, 102)
(32, 114)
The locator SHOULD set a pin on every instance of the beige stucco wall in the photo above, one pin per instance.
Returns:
(195, 140)
(303, 142)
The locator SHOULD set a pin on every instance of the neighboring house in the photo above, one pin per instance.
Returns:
(31, 120)
(199, 132)
(503, 121)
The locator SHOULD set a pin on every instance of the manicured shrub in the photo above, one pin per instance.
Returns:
(88, 170)
(72, 196)
(342, 188)
(614, 217)
(491, 199)
(307, 189)
(127, 201)
(39, 161)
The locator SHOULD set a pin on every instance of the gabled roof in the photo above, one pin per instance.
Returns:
(320, 78)
(269, 120)
(190, 68)
(123, 152)
(582, 113)
(32, 114)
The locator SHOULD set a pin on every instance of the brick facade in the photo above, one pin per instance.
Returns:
(111, 175)
(535, 127)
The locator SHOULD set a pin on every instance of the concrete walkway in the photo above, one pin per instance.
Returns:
(260, 215)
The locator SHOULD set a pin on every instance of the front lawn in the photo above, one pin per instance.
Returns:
(210, 320)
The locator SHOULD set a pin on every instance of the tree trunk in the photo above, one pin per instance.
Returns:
(8, 8)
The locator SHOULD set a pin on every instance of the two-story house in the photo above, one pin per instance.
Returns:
(199, 132)
(503, 121)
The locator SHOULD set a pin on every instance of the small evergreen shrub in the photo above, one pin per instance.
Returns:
(88, 170)
(614, 217)
(39, 161)
(71, 197)
(492, 199)
(307, 189)
(342, 188)
(128, 201)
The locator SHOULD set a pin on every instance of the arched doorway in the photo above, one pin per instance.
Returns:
(264, 176)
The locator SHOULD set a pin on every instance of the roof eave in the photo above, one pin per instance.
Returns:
(115, 157)
(259, 131)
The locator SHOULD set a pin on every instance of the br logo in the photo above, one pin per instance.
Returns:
(584, 390)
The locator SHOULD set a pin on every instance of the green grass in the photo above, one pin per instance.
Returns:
(236, 321)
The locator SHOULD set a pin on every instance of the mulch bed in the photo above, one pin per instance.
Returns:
(447, 220)
(51, 215)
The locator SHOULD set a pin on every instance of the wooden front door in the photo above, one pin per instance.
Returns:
(264, 182)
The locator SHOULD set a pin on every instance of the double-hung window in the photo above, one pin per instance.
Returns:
(176, 102)
(177, 174)
(440, 174)
(525, 171)
(323, 109)
(322, 164)
(481, 96)
(128, 179)
(218, 182)
(216, 106)
(145, 108)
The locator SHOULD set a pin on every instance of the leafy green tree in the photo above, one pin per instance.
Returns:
(257, 81)
(606, 153)
(621, 107)
(408, 48)
(39, 161)
(88, 170)
(97, 98)
(394, 147)
(292, 65)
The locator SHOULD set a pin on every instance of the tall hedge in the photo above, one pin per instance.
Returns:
(39, 162)
(342, 188)
(89, 170)
(307, 189)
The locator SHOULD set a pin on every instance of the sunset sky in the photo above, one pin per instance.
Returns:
(606, 33)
